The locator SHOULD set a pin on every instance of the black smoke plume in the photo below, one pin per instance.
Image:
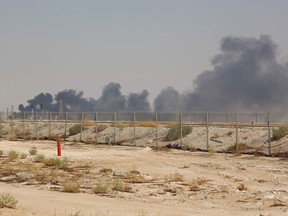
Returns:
(246, 76)
(169, 100)
(72, 101)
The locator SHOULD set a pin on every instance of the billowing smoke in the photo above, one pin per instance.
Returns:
(41, 101)
(246, 76)
(111, 98)
(169, 100)
(72, 101)
(138, 102)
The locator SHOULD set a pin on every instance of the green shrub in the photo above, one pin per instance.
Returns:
(174, 132)
(7, 201)
(13, 155)
(75, 129)
(33, 151)
(278, 133)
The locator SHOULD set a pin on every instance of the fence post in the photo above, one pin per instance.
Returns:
(181, 130)
(114, 135)
(49, 129)
(0, 124)
(82, 121)
(156, 120)
(269, 135)
(36, 126)
(134, 129)
(207, 131)
(65, 126)
(24, 126)
(96, 128)
(237, 137)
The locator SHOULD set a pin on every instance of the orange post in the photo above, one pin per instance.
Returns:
(59, 147)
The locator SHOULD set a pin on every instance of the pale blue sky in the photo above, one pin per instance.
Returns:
(52, 45)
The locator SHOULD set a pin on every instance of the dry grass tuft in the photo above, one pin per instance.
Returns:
(7, 201)
(71, 187)
(101, 188)
(119, 185)
(242, 187)
(13, 155)
(106, 171)
(33, 151)
(176, 177)
(148, 124)
(229, 133)
(134, 177)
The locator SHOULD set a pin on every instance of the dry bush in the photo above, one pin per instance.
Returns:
(23, 155)
(11, 136)
(40, 158)
(196, 183)
(194, 188)
(229, 133)
(1, 152)
(71, 187)
(7, 201)
(119, 185)
(202, 181)
(33, 151)
(13, 155)
(60, 163)
(106, 170)
(176, 177)
(134, 177)
(224, 189)
(101, 188)
(242, 187)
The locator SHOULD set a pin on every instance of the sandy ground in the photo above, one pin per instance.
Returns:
(175, 182)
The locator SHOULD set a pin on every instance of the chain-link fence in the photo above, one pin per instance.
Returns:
(141, 128)
(188, 117)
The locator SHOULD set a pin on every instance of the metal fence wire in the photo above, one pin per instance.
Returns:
(188, 117)
(64, 120)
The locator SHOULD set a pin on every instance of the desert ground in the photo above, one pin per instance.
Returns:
(92, 180)
(130, 171)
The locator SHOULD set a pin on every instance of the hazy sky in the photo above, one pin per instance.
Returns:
(53, 45)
